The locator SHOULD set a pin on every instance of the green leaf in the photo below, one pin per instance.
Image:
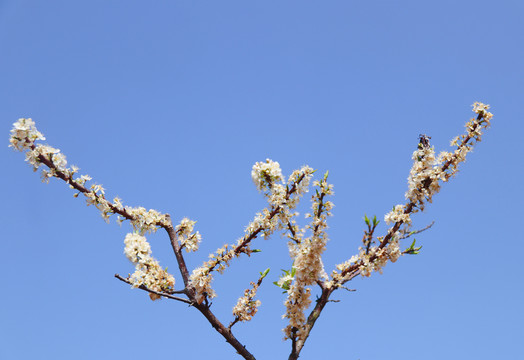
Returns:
(264, 273)
(366, 219)
(256, 250)
(412, 250)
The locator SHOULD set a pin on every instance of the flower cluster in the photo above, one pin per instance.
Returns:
(427, 170)
(376, 258)
(398, 214)
(465, 142)
(423, 177)
(148, 272)
(266, 174)
(307, 255)
(200, 281)
(145, 221)
(366, 262)
(202, 277)
(246, 307)
(307, 258)
(187, 238)
(286, 200)
(24, 134)
(297, 302)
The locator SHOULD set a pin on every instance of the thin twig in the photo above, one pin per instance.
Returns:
(405, 236)
(177, 249)
(145, 288)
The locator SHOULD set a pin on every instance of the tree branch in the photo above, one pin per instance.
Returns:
(177, 249)
(311, 320)
(145, 288)
(224, 331)
(405, 236)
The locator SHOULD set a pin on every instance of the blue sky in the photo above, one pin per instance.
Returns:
(169, 104)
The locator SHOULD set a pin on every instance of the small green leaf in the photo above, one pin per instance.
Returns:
(256, 250)
(264, 273)
(412, 250)
(366, 219)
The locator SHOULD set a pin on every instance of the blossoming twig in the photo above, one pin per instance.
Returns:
(307, 261)
(246, 307)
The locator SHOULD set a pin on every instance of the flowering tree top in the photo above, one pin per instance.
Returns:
(306, 244)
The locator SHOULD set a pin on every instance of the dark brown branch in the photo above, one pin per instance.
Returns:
(177, 249)
(232, 323)
(312, 318)
(225, 332)
(145, 288)
(293, 233)
(367, 240)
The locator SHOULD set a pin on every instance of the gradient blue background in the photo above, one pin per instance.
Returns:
(169, 104)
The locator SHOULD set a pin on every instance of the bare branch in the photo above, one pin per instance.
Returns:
(177, 249)
(145, 288)
(414, 232)
(224, 331)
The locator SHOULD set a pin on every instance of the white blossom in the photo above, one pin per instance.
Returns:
(187, 238)
(246, 307)
(397, 215)
(147, 269)
(24, 134)
(266, 174)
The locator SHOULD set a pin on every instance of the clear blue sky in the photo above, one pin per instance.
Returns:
(169, 104)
